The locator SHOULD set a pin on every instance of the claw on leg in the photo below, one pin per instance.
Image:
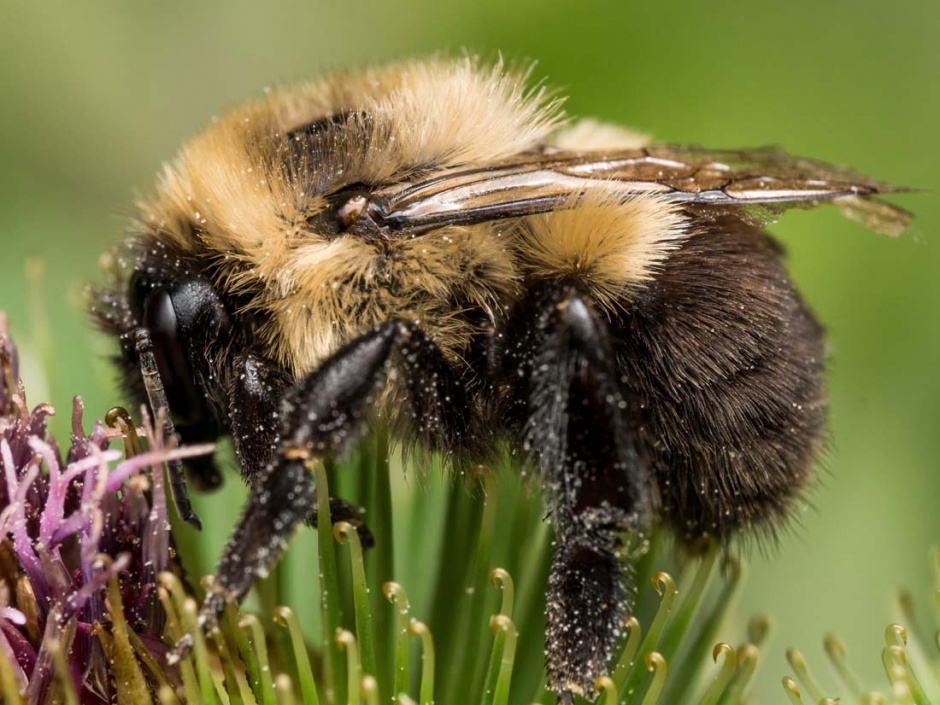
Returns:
(341, 510)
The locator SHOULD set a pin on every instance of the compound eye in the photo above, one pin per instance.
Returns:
(186, 403)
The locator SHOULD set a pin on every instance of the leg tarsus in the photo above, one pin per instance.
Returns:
(341, 510)
(273, 511)
(586, 608)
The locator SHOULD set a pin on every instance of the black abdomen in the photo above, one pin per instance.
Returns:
(724, 366)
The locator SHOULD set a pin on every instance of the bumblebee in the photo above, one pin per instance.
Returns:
(434, 247)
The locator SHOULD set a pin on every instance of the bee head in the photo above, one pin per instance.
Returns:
(189, 329)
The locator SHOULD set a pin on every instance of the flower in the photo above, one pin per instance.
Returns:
(82, 541)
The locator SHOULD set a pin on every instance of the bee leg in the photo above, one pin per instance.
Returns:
(254, 415)
(321, 416)
(156, 395)
(568, 413)
(255, 419)
(341, 510)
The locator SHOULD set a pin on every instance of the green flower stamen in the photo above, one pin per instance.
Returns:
(724, 675)
(255, 632)
(129, 680)
(169, 583)
(345, 533)
(329, 588)
(500, 623)
(396, 595)
(347, 642)
(285, 617)
(419, 629)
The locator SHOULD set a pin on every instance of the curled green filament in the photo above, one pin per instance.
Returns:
(234, 682)
(329, 587)
(501, 578)
(370, 690)
(665, 586)
(285, 617)
(129, 682)
(502, 623)
(835, 650)
(176, 631)
(628, 655)
(724, 675)
(255, 632)
(347, 642)
(345, 533)
(656, 664)
(798, 663)
(284, 690)
(399, 599)
(792, 690)
(420, 629)
(747, 658)
(607, 689)
(118, 417)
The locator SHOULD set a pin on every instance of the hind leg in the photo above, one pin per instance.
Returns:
(567, 413)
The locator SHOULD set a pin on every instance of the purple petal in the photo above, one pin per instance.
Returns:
(76, 601)
(134, 465)
(63, 528)
(13, 615)
(18, 650)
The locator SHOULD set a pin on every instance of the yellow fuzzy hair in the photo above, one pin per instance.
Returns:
(231, 182)
(235, 196)
(590, 135)
(613, 247)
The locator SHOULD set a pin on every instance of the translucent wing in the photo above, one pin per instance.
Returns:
(554, 179)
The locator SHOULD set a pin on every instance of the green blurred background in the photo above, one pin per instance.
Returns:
(95, 95)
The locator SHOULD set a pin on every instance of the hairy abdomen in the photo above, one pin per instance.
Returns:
(724, 366)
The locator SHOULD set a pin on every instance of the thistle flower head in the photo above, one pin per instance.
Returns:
(69, 526)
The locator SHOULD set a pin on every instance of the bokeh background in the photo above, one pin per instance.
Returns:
(95, 95)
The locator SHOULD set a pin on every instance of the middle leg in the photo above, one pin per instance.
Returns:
(255, 397)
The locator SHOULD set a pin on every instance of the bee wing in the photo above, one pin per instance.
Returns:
(554, 179)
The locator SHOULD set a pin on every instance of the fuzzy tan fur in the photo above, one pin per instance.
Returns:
(234, 195)
(594, 135)
(612, 247)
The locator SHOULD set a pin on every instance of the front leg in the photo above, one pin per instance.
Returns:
(321, 417)
(567, 411)
(255, 398)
